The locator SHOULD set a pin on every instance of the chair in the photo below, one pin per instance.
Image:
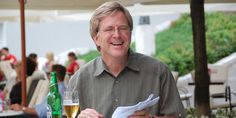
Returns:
(39, 93)
(7, 69)
(184, 93)
(219, 74)
(32, 82)
(35, 76)
(218, 87)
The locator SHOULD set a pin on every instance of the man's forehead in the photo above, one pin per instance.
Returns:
(111, 20)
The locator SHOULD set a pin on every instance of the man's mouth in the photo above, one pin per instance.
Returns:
(117, 43)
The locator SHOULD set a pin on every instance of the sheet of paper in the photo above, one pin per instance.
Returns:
(125, 111)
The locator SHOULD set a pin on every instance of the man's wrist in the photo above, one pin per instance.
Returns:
(23, 109)
(151, 116)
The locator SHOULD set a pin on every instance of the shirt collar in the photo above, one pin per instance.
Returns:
(99, 66)
(132, 61)
(132, 64)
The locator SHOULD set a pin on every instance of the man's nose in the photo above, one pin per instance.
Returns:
(116, 32)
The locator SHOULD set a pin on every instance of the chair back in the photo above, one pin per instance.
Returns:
(6, 68)
(218, 73)
(40, 92)
(37, 75)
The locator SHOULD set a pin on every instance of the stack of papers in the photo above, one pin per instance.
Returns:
(125, 111)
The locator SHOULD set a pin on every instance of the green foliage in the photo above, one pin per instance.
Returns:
(218, 113)
(133, 46)
(225, 113)
(221, 35)
(175, 44)
(89, 56)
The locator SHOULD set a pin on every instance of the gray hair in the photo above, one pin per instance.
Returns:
(104, 10)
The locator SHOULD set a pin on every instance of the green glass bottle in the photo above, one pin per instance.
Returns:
(54, 107)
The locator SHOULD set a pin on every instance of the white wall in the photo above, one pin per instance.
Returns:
(43, 37)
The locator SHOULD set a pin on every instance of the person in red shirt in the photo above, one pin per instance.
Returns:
(6, 56)
(73, 65)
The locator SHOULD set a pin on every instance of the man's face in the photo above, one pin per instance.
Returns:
(114, 36)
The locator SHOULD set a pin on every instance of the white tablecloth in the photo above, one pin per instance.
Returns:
(11, 113)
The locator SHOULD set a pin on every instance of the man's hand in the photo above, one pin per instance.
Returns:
(140, 114)
(89, 113)
(16, 107)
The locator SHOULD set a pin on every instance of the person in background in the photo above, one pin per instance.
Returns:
(15, 90)
(73, 65)
(15, 93)
(7, 56)
(40, 110)
(48, 65)
(1, 72)
(12, 80)
(34, 57)
(121, 77)
(1, 75)
(1, 55)
(31, 66)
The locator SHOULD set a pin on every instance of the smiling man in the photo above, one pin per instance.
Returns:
(121, 77)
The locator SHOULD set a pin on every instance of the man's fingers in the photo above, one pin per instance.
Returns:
(89, 113)
(140, 114)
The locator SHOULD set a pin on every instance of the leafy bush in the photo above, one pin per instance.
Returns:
(218, 113)
(89, 56)
(175, 44)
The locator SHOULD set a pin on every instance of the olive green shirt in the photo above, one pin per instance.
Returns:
(100, 90)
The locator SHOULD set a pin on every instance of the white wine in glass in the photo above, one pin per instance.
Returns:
(71, 103)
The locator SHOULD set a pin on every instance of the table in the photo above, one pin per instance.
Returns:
(11, 113)
(211, 83)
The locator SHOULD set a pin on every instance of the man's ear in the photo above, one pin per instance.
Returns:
(96, 40)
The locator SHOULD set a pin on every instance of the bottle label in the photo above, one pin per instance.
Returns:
(49, 112)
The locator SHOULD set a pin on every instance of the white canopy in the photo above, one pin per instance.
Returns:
(87, 4)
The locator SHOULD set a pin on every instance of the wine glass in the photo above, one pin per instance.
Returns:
(71, 103)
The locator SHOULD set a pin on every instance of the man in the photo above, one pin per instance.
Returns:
(33, 57)
(121, 77)
(6, 56)
(40, 110)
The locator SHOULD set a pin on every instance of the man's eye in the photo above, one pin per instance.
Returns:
(123, 28)
(108, 30)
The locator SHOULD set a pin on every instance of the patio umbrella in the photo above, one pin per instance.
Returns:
(23, 72)
(87, 4)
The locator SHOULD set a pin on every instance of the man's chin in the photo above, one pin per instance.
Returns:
(120, 54)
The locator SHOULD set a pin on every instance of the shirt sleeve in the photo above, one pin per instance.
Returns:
(170, 102)
(41, 109)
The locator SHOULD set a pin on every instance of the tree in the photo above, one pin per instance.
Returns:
(200, 58)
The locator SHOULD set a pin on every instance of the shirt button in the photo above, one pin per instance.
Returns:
(116, 82)
(116, 100)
